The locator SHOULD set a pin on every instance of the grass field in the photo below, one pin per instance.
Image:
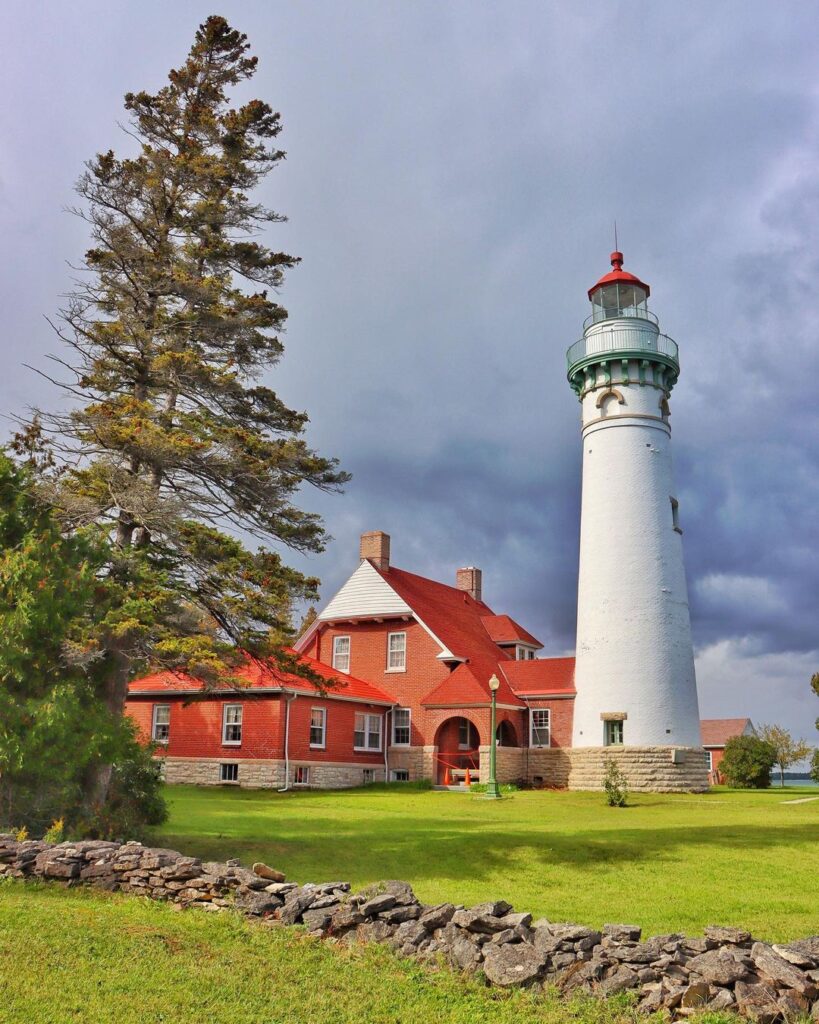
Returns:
(667, 863)
(71, 956)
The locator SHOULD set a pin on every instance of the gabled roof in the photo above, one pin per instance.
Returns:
(454, 617)
(541, 677)
(715, 732)
(503, 629)
(269, 677)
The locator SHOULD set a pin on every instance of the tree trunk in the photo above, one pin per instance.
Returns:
(97, 782)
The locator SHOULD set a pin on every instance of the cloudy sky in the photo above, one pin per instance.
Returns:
(452, 177)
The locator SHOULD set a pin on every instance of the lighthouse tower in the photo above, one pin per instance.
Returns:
(634, 672)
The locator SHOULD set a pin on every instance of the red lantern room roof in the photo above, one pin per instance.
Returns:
(618, 274)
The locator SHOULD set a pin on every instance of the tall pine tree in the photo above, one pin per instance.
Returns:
(173, 447)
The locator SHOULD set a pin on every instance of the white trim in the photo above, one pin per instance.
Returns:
(225, 724)
(402, 651)
(305, 770)
(408, 727)
(348, 653)
(154, 737)
(367, 717)
(323, 727)
(532, 727)
(263, 691)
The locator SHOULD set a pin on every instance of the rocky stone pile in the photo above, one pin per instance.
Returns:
(724, 969)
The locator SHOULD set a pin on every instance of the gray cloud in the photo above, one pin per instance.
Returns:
(453, 172)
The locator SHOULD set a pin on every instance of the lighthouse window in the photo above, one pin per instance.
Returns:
(613, 733)
(675, 515)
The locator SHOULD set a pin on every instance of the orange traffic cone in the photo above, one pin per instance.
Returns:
(447, 777)
(468, 778)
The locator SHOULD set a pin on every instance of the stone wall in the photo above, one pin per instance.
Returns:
(509, 764)
(722, 969)
(261, 774)
(647, 769)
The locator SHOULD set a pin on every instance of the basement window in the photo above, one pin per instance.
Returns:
(228, 772)
(369, 776)
(301, 775)
(399, 775)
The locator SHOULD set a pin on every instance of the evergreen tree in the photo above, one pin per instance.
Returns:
(54, 729)
(173, 447)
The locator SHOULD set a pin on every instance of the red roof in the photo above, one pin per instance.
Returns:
(255, 676)
(540, 676)
(456, 619)
(715, 732)
(504, 630)
(618, 274)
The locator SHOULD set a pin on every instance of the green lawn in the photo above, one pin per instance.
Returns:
(666, 863)
(73, 956)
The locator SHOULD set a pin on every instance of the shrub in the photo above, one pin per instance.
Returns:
(56, 833)
(814, 766)
(747, 762)
(615, 784)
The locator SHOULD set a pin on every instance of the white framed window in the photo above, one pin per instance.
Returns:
(301, 775)
(613, 733)
(341, 653)
(367, 734)
(228, 772)
(369, 776)
(401, 720)
(524, 653)
(318, 728)
(399, 775)
(396, 652)
(161, 723)
(710, 754)
(232, 725)
(540, 728)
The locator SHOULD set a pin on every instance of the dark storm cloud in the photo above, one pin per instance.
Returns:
(453, 172)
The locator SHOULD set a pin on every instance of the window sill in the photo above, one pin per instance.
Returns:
(393, 671)
(318, 746)
(231, 743)
(403, 746)
(161, 743)
(367, 750)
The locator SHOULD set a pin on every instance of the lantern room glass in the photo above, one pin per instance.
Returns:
(619, 298)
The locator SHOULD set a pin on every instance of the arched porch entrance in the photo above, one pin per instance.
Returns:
(506, 735)
(458, 742)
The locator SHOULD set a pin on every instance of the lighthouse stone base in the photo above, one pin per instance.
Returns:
(647, 769)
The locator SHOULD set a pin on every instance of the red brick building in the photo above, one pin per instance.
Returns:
(715, 734)
(408, 662)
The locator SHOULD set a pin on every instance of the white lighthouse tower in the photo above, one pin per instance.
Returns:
(635, 665)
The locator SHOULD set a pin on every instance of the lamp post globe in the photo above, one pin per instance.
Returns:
(492, 790)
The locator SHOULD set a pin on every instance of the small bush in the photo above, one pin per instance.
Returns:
(814, 766)
(615, 784)
(747, 762)
(56, 833)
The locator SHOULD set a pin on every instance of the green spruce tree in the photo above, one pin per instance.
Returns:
(174, 447)
(55, 731)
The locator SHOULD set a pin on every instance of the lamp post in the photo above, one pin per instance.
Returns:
(492, 790)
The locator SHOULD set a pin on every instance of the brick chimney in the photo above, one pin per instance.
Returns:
(375, 546)
(470, 579)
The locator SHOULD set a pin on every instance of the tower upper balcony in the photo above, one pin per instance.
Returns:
(621, 328)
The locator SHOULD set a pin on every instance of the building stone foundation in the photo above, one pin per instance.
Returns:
(263, 774)
(647, 769)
